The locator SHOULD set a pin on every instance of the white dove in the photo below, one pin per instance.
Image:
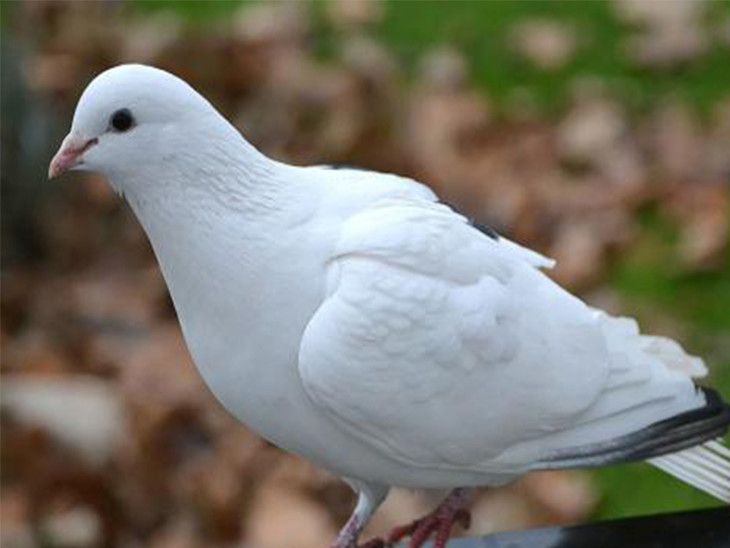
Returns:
(349, 317)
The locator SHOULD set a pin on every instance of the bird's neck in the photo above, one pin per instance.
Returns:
(217, 215)
(217, 173)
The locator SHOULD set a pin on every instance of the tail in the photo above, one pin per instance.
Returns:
(651, 376)
(705, 466)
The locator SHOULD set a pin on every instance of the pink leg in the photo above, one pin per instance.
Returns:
(439, 522)
(351, 532)
(369, 498)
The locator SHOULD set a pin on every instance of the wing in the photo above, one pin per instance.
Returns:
(439, 344)
(446, 348)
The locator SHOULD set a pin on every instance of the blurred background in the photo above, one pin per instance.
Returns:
(596, 132)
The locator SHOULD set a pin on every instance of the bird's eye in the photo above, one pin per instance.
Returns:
(122, 120)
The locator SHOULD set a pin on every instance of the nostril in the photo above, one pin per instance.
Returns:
(90, 143)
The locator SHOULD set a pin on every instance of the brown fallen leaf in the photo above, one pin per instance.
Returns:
(354, 13)
(546, 43)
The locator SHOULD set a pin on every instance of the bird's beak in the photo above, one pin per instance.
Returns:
(70, 154)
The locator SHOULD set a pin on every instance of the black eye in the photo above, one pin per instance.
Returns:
(121, 120)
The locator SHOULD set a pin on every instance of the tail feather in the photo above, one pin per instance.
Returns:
(678, 433)
(719, 448)
(706, 467)
(686, 447)
(650, 410)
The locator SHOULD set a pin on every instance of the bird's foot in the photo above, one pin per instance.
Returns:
(438, 523)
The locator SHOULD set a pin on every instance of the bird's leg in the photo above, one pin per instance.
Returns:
(368, 500)
(439, 522)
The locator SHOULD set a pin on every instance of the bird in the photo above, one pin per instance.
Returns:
(352, 318)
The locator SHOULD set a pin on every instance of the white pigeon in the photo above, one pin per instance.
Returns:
(352, 319)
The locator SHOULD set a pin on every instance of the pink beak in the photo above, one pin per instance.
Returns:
(69, 155)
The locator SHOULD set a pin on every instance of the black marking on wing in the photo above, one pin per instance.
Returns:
(668, 436)
(345, 166)
(485, 229)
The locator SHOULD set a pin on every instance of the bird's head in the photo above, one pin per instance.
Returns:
(128, 117)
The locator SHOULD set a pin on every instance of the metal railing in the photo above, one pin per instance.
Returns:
(696, 529)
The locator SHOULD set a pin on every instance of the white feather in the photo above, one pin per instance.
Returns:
(706, 467)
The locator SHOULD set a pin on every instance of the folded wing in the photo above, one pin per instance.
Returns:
(445, 348)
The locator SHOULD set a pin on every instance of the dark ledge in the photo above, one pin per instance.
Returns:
(697, 529)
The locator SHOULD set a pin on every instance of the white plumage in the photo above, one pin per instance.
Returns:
(351, 318)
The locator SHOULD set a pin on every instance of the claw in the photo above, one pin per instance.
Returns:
(440, 522)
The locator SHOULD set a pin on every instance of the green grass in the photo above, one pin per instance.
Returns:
(480, 31)
(652, 272)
